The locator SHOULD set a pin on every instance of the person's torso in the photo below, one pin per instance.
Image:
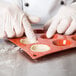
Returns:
(45, 9)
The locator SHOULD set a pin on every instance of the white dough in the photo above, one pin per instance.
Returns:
(40, 48)
(25, 41)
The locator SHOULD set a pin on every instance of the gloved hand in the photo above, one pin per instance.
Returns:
(63, 22)
(14, 22)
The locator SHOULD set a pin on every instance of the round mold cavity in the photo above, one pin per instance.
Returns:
(62, 42)
(39, 31)
(34, 55)
(74, 37)
(40, 48)
(43, 37)
(24, 41)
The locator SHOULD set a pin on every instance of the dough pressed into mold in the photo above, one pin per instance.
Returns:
(40, 48)
(25, 41)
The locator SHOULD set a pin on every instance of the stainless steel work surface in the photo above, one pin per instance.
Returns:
(14, 62)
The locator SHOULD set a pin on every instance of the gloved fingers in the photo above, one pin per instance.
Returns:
(64, 24)
(28, 30)
(33, 19)
(8, 28)
(47, 24)
(18, 28)
(53, 27)
(19, 31)
(10, 32)
(72, 28)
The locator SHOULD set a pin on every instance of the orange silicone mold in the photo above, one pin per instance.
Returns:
(44, 45)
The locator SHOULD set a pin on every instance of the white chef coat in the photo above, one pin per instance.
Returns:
(44, 9)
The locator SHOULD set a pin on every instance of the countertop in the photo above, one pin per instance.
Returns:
(14, 62)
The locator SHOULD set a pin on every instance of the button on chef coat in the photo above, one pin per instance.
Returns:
(45, 9)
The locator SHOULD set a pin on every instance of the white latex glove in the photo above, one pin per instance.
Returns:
(14, 22)
(63, 22)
